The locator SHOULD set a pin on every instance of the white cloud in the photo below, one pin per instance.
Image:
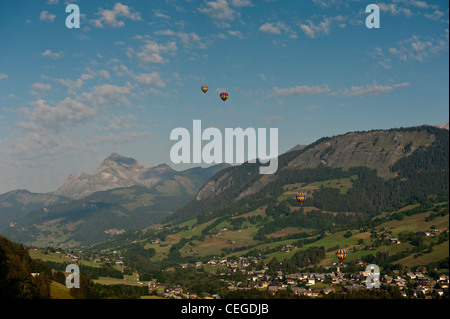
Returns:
(393, 9)
(3, 76)
(417, 48)
(48, 17)
(150, 79)
(327, 3)
(236, 34)
(241, 3)
(153, 78)
(118, 122)
(314, 30)
(415, 3)
(220, 12)
(188, 39)
(92, 74)
(270, 28)
(52, 2)
(381, 59)
(370, 89)
(65, 113)
(71, 85)
(436, 15)
(53, 55)
(38, 88)
(277, 29)
(151, 52)
(110, 18)
(107, 94)
(158, 14)
(299, 90)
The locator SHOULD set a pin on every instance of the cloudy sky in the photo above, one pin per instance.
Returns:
(132, 73)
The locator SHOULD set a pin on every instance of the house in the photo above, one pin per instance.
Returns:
(315, 293)
(272, 289)
(422, 289)
(443, 285)
(311, 281)
(328, 290)
(421, 269)
(263, 284)
(411, 275)
(177, 290)
(300, 291)
(290, 281)
(320, 277)
(440, 292)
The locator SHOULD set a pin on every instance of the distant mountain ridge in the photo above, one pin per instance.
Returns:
(444, 126)
(115, 171)
(121, 195)
(380, 150)
(17, 203)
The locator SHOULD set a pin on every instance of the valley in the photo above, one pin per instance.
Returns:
(230, 231)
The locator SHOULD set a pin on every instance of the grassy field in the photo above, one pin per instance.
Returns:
(343, 184)
(289, 231)
(439, 252)
(59, 291)
(57, 258)
(415, 223)
(228, 239)
(116, 281)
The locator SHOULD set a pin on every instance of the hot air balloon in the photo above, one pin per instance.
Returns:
(341, 254)
(204, 88)
(224, 96)
(301, 197)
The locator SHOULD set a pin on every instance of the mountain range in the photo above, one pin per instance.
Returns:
(121, 195)
(114, 172)
(380, 151)
(363, 172)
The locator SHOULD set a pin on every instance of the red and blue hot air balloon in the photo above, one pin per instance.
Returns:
(301, 197)
(224, 96)
(341, 254)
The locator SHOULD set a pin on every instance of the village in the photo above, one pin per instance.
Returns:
(242, 273)
(412, 283)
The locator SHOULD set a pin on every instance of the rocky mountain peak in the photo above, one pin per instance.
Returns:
(118, 161)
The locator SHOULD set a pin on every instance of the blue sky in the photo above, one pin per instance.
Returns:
(133, 71)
